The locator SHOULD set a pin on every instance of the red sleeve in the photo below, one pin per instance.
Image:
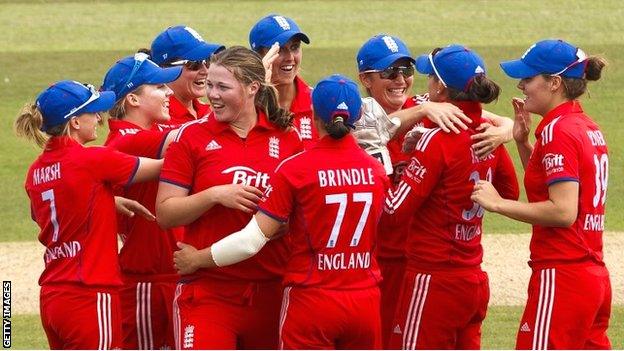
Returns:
(179, 165)
(278, 198)
(146, 143)
(505, 179)
(560, 157)
(111, 166)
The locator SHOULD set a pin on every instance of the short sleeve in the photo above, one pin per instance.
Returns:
(278, 198)
(560, 156)
(179, 165)
(111, 166)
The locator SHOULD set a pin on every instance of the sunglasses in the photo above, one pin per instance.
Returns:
(435, 70)
(393, 72)
(190, 64)
(581, 56)
(94, 96)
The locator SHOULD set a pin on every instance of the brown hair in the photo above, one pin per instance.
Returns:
(29, 122)
(247, 67)
(481, 89)
(118, 111)
(337, 128)
(575, 87)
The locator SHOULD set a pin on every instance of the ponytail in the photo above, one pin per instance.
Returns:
(337, 128)
(267, 99)
(28, 125)
(575, 87)
(481, 89)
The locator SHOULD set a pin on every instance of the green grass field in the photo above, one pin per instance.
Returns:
(42, 42)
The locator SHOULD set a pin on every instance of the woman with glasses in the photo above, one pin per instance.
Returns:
(566, 173)
(71, 195)
(183, 46)
(445, 293)
(142, 101)
(278, 40)
(214, 175)
(332, 197)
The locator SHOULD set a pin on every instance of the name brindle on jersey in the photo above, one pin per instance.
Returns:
(341, 261)
(342, 177)
(63, 250)
(47, 174)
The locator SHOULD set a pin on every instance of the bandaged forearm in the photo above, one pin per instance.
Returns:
(239, 246)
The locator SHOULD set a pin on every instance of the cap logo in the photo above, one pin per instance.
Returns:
(194, 33)
(342, 106)
(390, 43)
(528, 50)
(282, 22)
(479, 69)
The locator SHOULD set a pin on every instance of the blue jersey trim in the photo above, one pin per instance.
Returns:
(275, 217)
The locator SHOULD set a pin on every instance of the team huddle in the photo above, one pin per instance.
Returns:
(285, 216)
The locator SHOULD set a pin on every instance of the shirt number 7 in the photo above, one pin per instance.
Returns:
(341, 200)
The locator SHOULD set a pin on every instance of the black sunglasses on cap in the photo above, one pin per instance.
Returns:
(393, 72)
(189, 64)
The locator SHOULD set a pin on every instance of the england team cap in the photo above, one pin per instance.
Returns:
(274, 28)
(455, 65)
(181, 43)
(337, 95)
(68, 98)
(133, 71)
(381, 51)
(551, 56)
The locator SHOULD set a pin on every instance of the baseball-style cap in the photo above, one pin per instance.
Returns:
(68, 98)
(274, 28)
(181, 43)
(337, 95)
(455, 66)
(381, 51)
(552, 56)
(131, 72)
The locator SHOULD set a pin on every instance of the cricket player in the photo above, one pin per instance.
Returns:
(566, 174)
(332, 197)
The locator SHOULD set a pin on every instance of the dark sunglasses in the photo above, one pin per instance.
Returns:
(189, 64)
(393, 72)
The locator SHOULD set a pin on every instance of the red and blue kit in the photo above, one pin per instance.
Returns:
(147, 252)
(303, 117)
(569, 300)
(235, 306)
(445, 292)
(71, 193)
(332, 197)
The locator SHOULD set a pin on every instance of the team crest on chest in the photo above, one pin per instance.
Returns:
(305, 128)
(274, 147)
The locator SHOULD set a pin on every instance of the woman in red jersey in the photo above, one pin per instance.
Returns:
(183, 46)
(566, 172)
(145, 258)
(445, 293)
(332, 196)
(71, 193)
(214, 175)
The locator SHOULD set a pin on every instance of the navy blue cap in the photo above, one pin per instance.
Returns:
(181, 43)
(551, 56)
(131, 72)
(455, 65)
(381, 51)
(274, 28)
(337, 95)
(68, 98)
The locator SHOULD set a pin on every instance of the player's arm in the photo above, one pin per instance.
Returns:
(148, 169)
(447, 116)
(232, 249)
(492, 134)
(560, 210)
(171, 136)
(521, 130)
(505, 180)
(129, 208)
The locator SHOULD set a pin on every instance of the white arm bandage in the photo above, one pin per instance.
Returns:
(239, 246)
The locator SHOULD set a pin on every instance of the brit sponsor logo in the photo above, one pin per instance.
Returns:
(553, 163)
(248, 176)
(416, 170)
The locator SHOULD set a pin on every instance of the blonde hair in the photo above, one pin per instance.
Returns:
(29, 122)
(118, 111)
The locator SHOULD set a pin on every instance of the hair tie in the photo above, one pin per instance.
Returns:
(338, 119)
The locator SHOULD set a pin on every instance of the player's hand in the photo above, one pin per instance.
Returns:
(237, 196)
(268, 59)
(489, 138)
(522, 121)
(129, 208)
(486, 195)
(447, 116)
(411, 139)
(187, 259)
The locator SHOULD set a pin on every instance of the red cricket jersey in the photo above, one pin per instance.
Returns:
(71, 197)
(209, 153)
(445, 232)
(147, 249)
(180, 114)
(303, 117)
(392, 240)
(332, 197)
(569, 147)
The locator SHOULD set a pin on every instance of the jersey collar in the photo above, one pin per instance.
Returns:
(572, 106)
(60, 142)
(177, 109)
(327, 142)
(473, 110)
(221, 127)
(117, 124)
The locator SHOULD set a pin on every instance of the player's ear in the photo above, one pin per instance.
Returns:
(252, 88)
(555, 82)
(365, 80)
(74, 123)
(132, 99)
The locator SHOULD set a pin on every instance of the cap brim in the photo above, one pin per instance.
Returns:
(423, 65)
(389, 60)
(202, 52)
(284, 37)
(518, 69)
(103, 103)
(164, 75)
